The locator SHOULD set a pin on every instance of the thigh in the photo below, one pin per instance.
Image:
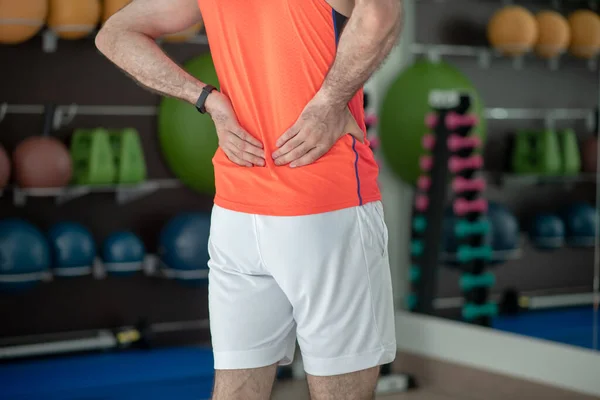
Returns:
(244, 384)
(251, 319)
(334, 269)
(360, 385)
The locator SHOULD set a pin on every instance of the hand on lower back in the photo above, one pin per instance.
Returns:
(239, 146)
(315, 132)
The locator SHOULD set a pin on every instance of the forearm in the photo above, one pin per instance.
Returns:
(370, 34)
(141, 58)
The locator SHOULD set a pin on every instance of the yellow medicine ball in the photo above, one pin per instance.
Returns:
(512, 30)
(585, 34)
(20, 20)
(111, 7)
(185, 34)
(554, 34)
(74, 19)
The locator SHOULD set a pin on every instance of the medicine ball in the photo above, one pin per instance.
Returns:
(111, 7)
(505, 231)
(20, 20)
(123, 253)
(24, 255)
(554, 34)
(512, 30)
(183, 247)
(585, 34)
(72, 20)
(73, 249)
(580, 224)
(184, 35)
(547, 231)
(4, 168)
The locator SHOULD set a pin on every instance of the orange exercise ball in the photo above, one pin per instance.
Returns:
(512, 30)
(185, 34)
(20, 20)
(554, 34)
(111, 7)
(4, 168)
(74, 19)
(42, 161)
(585, 34)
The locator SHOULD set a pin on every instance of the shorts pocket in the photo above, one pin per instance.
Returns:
(381, 231)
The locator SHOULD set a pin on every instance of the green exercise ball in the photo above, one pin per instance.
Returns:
(403, 111)
(188, 139)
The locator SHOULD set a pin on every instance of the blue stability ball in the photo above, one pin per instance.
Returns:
(73, 249)
(505, 231)
(580, 224)
(184, 247)
(547, 231)
(450, 241)
(24, 255)
(123, 253)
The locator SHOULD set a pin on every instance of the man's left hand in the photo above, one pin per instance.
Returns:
(318, 128)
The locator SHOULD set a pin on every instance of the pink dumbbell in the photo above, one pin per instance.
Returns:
(424, 183)
(426, 162)
(456, 142)
(455, 121)
(428, 141)
(431, 120)
(457, 164)
(374, 142)
(460, 184)
(421, 203)
(371, 119)
(462, 206)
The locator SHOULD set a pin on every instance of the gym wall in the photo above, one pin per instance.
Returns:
(77, 73)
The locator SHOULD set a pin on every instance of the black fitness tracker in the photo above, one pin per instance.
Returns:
(200, 104)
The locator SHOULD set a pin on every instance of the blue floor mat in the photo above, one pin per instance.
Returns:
(573, 326)
(178, 373)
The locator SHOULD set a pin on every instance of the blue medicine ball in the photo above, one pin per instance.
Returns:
(580, 224)
(547, 231)
(73, 249)
(505, 231)
(184, 247)
(24, 255)
(123, 253)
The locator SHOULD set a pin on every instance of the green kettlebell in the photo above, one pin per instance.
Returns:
(548, 153)
(569, 149)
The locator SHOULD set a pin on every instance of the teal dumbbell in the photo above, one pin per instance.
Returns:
(419, 224)
(414, 273)
(465, 228)
(473, 311)
(411, 301)
(416, 248)
(469, 282)
(467, 254)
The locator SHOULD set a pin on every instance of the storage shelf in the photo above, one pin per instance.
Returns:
(517, 180)
(124, 193)
(486, 55)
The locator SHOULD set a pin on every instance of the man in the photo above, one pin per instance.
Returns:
(298, 242)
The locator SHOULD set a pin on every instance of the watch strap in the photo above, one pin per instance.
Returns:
(201, 103)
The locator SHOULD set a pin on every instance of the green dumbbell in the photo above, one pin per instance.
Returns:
(473, 311)
(416, 248)
(414, 273)
(467, 254)
(419, 224)
(469, 282)
(411, 301)
(465, 228)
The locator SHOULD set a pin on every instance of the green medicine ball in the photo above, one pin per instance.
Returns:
(189, 139)
(402, 115)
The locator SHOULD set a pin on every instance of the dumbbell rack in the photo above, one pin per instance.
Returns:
(452, 150)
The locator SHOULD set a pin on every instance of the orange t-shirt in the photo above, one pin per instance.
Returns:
(271, 57)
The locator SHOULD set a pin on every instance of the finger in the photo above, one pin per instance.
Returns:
(310, 157)
(295, 154)
(245, 147)
(251, 158)
(235, 159)
(290, 133)
(246, 137)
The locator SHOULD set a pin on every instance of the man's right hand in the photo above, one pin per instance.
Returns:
(239, 146)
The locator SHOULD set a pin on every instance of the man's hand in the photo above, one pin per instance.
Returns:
(318, 128)
(239, 146)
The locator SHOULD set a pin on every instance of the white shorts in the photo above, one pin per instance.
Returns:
(322, 279)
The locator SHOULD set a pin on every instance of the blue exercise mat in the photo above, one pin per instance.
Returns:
(573, 326)
(177, 373)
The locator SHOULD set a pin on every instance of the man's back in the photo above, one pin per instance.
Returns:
(271, 57)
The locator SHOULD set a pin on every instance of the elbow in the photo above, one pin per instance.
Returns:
(102, 40)
(383, 16)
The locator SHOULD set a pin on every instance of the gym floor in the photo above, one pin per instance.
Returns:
(445, 381)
